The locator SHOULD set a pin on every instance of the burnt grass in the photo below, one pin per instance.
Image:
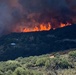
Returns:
(16, 45)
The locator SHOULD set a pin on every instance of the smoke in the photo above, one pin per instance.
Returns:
(54, 11)
(30, 13)
(8, 15)
(5, 18)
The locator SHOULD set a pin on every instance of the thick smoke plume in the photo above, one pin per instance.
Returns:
(29, 13)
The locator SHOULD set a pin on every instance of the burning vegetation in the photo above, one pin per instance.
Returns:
(41, 27)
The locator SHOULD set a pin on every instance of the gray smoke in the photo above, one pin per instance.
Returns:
(16, 13)
(8, 16)
(5, 18)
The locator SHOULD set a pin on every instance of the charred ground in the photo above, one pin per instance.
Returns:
(36, 43)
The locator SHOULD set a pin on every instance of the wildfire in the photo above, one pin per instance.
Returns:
(42, 27)
(63, 25)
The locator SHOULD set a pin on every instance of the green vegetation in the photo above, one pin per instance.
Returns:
(72, 55)
(54, 64)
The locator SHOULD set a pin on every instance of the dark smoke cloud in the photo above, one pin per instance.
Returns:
(60, 10)
(16, 13)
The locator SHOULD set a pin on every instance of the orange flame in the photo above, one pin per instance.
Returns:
(42, 27)
(63, 25)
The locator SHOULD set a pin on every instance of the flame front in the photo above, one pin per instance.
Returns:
(41, 27)
(63, 25)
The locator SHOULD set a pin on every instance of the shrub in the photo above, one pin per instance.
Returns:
(47, 64)
(72, 55)
(1, 73)
(63, 63)
(12, 65)
(37, 73)
(51, 73)
(9, 72)
(41, 61)
(57, 55)
(28, 65)
(57, 63)
(21, 71)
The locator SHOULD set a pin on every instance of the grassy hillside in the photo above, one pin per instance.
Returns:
(60, 63)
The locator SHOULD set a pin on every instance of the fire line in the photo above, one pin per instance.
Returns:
(41, 27)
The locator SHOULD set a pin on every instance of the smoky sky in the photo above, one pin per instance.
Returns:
(16, 13)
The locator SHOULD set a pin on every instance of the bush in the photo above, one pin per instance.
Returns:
(63, 63)
(29, 65)
(58, 63)
(72, 55)
(51, 73)
(37, 73)
(41, 61)
(47, 64)
(21, 71)
(9, 72)
(12, 65)
(1, 73)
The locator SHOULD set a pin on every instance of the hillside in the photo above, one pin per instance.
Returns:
(36, 43)
(49, 64)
